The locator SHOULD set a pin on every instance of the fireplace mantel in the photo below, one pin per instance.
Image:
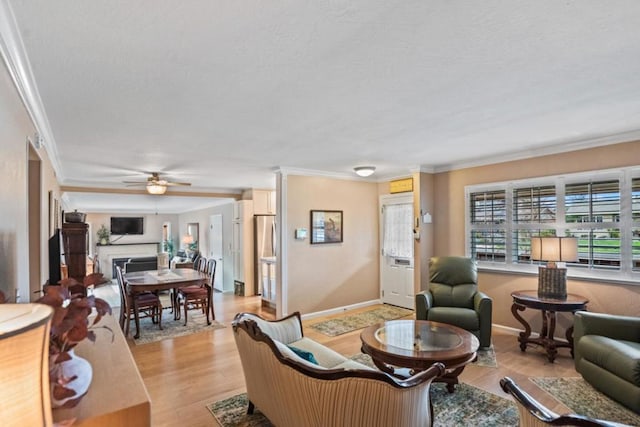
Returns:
(106, 254)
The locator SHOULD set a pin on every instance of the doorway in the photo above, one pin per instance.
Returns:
(397, 256)
(216, 249)
(35, 230)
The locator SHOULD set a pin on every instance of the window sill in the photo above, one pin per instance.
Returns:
(572, 274)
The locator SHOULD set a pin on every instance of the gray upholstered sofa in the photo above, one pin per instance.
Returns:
(141, 264)
(607, 355)
(292, 388)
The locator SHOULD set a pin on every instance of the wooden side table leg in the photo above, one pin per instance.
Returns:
(523, 338)
(550, 343)
(569, 336)
(544, 332)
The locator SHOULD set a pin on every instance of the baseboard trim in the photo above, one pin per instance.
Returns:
(506, 329)
(339, 310)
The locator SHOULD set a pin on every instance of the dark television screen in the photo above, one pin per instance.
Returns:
(127, 225)
(54, 258)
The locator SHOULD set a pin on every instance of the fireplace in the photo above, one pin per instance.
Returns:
(118, 262)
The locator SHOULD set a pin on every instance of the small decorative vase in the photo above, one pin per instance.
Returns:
(75, 367)
(104, 241)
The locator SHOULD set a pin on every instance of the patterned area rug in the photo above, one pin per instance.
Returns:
(344, 324)
(578, 395)
(467, 406)
(149, 331)
(487, 358)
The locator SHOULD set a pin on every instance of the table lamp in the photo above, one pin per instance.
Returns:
(25, 398)
(552, 281)
(187, 241)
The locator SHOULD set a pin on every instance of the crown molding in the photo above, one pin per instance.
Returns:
(17, 62)
(557, 147)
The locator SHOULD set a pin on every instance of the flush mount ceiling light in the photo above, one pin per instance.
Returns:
(364, 170)
(156, 189)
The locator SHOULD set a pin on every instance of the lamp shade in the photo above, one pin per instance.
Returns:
(554, 249)
(25, 398)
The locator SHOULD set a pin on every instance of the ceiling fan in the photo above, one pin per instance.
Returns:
(155, 185)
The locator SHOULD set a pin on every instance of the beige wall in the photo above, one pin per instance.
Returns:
(449, 225)
(152, 227)
(326, 276)
(15, 126)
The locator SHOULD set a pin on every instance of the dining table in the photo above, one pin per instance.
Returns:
(170, 279)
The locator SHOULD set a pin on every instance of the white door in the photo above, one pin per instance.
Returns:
(216, 249)
(396, 257)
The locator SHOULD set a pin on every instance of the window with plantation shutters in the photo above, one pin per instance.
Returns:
(534, 204)
(488, 217)
(635, 224)
(600, 208)
(592, 211)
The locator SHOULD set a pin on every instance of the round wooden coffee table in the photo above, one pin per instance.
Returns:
(417, 344)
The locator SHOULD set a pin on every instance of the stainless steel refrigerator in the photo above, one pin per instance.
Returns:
(264, 232)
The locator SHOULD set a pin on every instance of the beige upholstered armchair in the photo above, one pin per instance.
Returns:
(453, 297)
(291, 388)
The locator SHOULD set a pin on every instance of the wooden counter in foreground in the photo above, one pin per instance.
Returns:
(117, 396)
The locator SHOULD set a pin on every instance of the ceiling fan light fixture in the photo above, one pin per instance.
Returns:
(156, 189)
(364, 171)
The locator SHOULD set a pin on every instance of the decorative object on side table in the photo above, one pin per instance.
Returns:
(70, 377)
(552, 281)
(103, 235)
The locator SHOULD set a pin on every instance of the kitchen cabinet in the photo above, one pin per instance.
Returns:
(264, 202)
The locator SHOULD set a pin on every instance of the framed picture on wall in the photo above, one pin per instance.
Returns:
(326, 227)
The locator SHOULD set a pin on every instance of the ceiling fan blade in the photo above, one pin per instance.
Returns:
(178, 183)
(134, 182)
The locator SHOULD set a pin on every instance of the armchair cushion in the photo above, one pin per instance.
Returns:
(460, 317)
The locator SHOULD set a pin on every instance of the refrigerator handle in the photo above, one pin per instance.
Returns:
(273, 238)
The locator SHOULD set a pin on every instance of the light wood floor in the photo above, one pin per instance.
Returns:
(185, 374)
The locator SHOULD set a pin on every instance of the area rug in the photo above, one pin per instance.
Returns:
(149, 331)
(578, 395)
(344, 324)
(467, 406)
(486, 358)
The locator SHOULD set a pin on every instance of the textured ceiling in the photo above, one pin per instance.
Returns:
(219, 93)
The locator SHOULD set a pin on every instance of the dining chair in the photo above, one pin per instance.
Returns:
(148, 304)
(211, 265)
(197, 296)
(200, 264)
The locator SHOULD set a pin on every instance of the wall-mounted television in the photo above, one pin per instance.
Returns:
(127, 225)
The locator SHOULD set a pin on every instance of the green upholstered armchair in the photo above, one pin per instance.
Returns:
(607, 355)
(453, 297)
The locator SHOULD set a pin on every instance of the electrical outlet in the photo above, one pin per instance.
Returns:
(17, 295)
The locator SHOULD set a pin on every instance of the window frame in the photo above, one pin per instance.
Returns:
(625, 274)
